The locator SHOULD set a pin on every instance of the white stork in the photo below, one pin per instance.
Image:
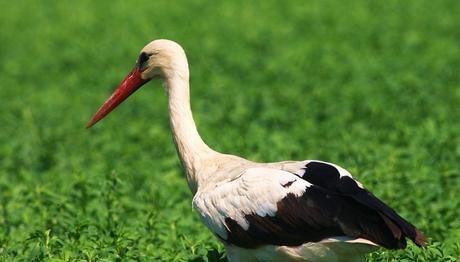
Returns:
(287, 211)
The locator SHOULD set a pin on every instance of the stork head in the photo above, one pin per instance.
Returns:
(159, 59)
(162, 58)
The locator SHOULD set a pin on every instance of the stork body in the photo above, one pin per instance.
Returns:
(287, 211)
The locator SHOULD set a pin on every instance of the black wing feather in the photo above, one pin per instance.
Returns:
(347, 186)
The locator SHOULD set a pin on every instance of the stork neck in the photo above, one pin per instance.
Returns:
(190, 147)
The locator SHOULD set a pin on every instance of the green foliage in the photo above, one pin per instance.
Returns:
(370, 85)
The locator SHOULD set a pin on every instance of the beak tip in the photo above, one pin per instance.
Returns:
(91, 123)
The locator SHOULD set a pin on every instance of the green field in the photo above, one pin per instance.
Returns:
(373, 86)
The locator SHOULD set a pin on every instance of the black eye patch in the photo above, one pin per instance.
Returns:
(142, 60)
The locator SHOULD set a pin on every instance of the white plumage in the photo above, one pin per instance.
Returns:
(288, 211)
(256, 190)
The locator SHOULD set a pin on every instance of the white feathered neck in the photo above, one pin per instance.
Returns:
(190, 146)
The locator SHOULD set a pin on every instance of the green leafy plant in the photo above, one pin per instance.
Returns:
(370, 85)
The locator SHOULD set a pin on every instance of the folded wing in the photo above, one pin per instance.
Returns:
(272, 206)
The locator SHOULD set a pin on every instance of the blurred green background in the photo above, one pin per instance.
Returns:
(370, 85)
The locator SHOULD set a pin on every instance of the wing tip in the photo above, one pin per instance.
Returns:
(401, 229)
(420, 239)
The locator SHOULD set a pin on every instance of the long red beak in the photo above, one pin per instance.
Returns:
(130, 84)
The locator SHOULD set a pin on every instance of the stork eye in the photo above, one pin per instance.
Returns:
(142, 61)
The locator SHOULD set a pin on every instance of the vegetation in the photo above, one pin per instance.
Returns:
(370, 85)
